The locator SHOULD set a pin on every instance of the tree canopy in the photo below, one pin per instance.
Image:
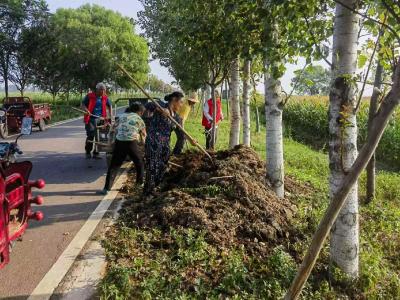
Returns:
(73, 49)
(313, 80)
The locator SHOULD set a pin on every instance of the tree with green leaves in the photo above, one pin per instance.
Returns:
(199, 41)
(313, 80)
(154, 84)
(15, 17)
(289, 29)
(341, 217)
(84, 45)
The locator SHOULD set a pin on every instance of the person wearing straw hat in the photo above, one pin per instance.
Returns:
(184, 113)
(188, 106)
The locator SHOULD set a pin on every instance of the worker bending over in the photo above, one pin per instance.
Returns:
(159, 129)
(131, 132)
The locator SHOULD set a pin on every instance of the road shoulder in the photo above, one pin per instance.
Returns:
(78, 269)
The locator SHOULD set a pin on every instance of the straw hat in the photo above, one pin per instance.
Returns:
(193, 97)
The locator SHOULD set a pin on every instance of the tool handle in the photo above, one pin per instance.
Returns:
(170, 117)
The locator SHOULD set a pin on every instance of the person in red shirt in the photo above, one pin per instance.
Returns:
(98, 107)
(207, 121)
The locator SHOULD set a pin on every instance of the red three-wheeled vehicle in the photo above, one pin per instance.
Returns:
(16, 194)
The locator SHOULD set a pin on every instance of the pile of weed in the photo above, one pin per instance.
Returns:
(177, 263)
(229, 200)
(215, 231)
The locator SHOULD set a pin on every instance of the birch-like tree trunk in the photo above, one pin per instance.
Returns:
(344, 246)
(258, 129)
(208, 92)
(214, 116)
(234, 137)
(246, 103)
(373, 108)
(228, 98)
(273, 115)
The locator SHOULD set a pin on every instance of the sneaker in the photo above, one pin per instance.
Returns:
(88, 156)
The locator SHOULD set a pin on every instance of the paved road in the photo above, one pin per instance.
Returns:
(70, 197)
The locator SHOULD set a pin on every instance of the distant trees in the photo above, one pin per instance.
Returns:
(313, 80)
(156, 85)
(17, 16)
(70, 50)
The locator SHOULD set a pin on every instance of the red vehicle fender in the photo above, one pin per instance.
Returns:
(16, 194)
(4, 242)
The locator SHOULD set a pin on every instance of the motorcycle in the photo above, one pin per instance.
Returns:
(16, 194)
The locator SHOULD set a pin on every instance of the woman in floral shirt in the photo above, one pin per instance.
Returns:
(131, 131)
(159, 129)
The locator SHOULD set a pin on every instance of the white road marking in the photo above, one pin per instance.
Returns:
(55, 275)
(82, 280)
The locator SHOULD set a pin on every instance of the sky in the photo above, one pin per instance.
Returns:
(130, 8)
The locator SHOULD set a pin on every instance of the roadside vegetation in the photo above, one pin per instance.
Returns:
(305, 120)
(180, 262)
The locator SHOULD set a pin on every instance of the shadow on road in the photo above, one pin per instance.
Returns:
(65, 213)
(65, 168)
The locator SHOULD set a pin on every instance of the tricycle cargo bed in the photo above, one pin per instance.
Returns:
(17, 108)
(41, 111)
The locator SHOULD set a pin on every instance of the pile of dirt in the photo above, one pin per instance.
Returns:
(231, 201)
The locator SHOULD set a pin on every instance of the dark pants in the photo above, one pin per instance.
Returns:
(180, 142)
(208, 134)
(123, 149)
(157, 156)
(90, 136)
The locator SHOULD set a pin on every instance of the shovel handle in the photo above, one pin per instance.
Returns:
(170, 117)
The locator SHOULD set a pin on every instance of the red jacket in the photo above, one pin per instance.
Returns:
(208, 110)
(92, 105)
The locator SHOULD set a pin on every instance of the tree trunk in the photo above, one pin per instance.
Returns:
(201, 104)
(222, 90)
(228, 97)
(274, 137)
(234, 137)
(5, 78)
(344, 247)
(246, 103)
(208, 92)
(258, 129)
(373, 108)
(214, 116)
